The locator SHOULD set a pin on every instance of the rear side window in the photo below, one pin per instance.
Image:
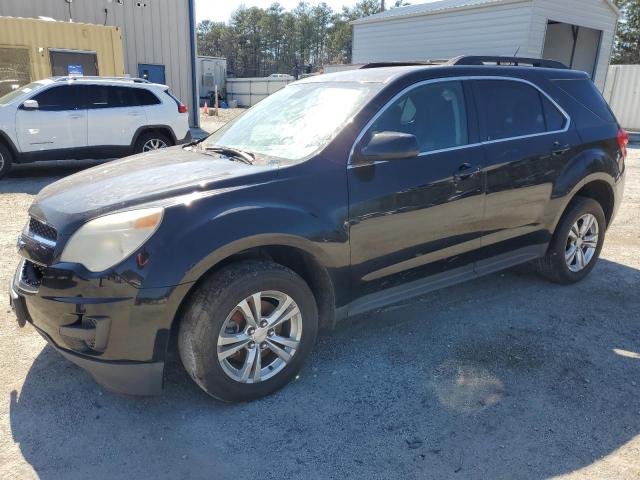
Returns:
(105, 96)
(435, 113)
(60, 98)
(585, 92)
(144, 97)
(509, 109)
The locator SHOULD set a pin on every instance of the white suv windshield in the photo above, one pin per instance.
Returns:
(296, 121)
(9, 97)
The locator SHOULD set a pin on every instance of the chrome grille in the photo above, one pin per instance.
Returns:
(42, 230)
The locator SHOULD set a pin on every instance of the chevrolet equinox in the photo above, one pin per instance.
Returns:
(335, 196)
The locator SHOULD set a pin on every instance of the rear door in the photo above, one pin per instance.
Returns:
(60, 122)
(421, 216)
(527, 141)
(114, 115)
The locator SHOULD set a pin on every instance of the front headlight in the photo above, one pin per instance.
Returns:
(105, 241)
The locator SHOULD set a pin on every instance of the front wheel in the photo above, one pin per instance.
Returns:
(576, 243)
(247, 330)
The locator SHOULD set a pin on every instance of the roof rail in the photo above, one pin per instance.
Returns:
(94, 77)
(402, 64)
(507, 61)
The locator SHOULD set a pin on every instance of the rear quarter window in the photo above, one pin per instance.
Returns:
(585, 92)
(144, 97)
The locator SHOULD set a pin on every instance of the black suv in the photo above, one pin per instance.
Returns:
(337, 195)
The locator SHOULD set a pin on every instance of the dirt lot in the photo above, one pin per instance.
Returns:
(504, 377)
(211, 123)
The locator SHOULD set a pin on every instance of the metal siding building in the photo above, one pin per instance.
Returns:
(534, 28)
(158, 35)
(24, 59)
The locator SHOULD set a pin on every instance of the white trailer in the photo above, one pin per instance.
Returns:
(212, 72)
(578, 33)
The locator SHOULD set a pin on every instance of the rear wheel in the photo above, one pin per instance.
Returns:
(6, 158)
(576, 243)
(152, 141)
(247, 330)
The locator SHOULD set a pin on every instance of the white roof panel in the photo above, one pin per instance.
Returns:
(425, 8)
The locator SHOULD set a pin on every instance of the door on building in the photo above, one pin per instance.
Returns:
(73, 62)
(152, 72)
(575, 46)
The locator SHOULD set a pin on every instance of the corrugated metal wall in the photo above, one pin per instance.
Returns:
(483, 30)
(35, 34)
(156, 32)
(249, 91)
(622, 91)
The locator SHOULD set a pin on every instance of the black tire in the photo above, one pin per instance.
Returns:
(151, 136)
(553, 265)
(208, 309)
(6, 159)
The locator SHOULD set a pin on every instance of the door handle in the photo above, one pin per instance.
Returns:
(134, 114)
(75, 115)
(465, 171)
(559, 149)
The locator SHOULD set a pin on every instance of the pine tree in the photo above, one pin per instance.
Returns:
(627, 48)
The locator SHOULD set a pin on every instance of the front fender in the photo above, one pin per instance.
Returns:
(184, 249)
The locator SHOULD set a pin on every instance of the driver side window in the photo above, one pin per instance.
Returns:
(435, 113)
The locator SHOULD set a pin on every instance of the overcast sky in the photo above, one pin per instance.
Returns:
(220, 11)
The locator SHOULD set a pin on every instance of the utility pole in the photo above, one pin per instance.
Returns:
(382, 7)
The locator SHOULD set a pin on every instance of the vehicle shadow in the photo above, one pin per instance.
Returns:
(32, 177)
(508, 376)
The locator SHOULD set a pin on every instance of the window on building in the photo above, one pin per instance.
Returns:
(15, 69)
(67, 62)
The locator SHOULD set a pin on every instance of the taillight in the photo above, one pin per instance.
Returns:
(623, 140)
(182, 108)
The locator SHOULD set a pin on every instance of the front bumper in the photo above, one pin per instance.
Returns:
(130, 378)
(117, 332)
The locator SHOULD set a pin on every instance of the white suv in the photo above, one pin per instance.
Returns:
(88, 117)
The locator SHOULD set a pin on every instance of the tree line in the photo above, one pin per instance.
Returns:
(258, 42)
(627, 48)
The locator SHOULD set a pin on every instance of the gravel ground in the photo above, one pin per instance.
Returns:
(212, 123)
(504, 377)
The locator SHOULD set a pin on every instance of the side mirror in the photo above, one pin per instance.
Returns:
(389, 146)
(30, 105)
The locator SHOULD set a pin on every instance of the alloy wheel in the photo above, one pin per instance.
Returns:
(259, 337)
(582, 242)
(153, 144)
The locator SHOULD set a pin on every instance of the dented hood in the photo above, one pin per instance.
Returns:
(136, 180)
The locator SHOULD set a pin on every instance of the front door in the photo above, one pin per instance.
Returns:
(418, 217)
(60, 122)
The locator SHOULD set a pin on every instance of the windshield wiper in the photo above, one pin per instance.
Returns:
(245, 157)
